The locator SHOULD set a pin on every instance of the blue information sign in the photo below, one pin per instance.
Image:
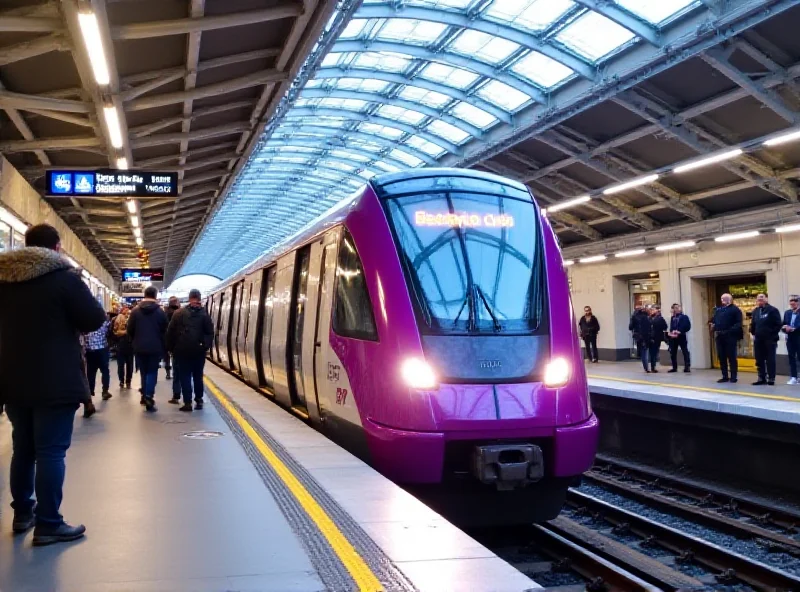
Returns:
(108, 183)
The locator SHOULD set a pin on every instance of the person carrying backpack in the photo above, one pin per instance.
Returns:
(189, 336)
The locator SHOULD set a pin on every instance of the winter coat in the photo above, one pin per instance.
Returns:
(728, 321)
(659, 328)
(766, 323)
(147, 325)
(121, 338)
(169, 311)
(44, 309)
(589, 327)
(640, 327)
(191, 332)
(681, 323)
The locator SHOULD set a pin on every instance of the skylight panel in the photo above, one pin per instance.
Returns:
(326, 120)
(315, 83)
(366, 174)
(460, 4)
(299, 159)
(358, 84)
(346, 154)
(448, 75)
(301, 102)
(542, 70)
(381, 131)
(656, 11)
(382, 60)
(534, 15)
(354, 29)
(429, 98)
(348, 104)
(400, 114)
(405, 157)
(331, 60)
(594, 36)
(503, 95)
(473, 115)
(483, 46)
(448, 131)
(364, 146)
(389, 168)
(427, 147)
(411, 31)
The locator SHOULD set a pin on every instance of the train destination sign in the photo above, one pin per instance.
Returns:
(464, 220)
(109, 183)
(152, 274)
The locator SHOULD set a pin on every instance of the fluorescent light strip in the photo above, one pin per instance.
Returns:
(135, 221)
(122, 163)
(94, 47)
(630, 184)
(13, 221)
(139, 240)
(708, 161)
(114, 129)
(737, 236)
(783, 139)
(788, 228)
(137, 232)
(672, 246)
(131, 205)
(631, 253)
(593, 259)
(568, 262)
(568, 204)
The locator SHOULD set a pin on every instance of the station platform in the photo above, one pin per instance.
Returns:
(241, 496)
(698, 390)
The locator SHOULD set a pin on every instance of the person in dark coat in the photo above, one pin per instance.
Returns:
(727, 327)
(44, 308)
(189, 336)
(679, 326)
(124, 347)
(791, 327)
(173, 305)
(658, 331)
(642, 334)
(589, 328)
(765, 327)
(146, 328)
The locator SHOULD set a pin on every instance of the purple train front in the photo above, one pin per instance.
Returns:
(425, 325)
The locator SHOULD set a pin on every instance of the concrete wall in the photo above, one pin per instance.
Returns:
(24, 201)
(683, 275)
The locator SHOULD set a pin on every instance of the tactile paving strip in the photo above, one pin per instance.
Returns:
(331, 570)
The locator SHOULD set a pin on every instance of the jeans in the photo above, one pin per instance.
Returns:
(148, 366)
(674, 344)
(765, 358)
(726, 352)
(98, 359)
(643, 351)
(655, 347)
(41, 437)
(191, 371)
(793, 349)
(125, 368)
(176, 378)
(591, 348)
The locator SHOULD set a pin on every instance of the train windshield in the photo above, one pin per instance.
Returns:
(472, 258)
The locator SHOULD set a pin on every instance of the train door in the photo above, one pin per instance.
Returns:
(218, 325)
(252, 328)
(230, 332)
(242, 312)
(279, 346)
(210, 309)
(297, 325)
(323, 355)
(265, 375)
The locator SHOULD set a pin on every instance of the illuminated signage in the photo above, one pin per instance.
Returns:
(464, 220)
(155, 274)
(112, 184)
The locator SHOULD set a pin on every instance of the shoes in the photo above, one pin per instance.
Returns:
(141, 390)
(174, 401)
(654, 371)
(127, 385)
(671, 371)
(770, 383)
(169, 376)
(106, 395)
(186, 407)
(150, 405)
(734, 380)
(792, 380)
(23, 521)
(61, 534)
(759, 382)
(198, 405)
(143, 400)
(723, 379)
(122, 385)
(89, 409)
(687, 370)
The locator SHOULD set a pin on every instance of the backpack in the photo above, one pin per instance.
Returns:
(191, 331)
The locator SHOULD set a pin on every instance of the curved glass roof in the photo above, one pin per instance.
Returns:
(404, 84)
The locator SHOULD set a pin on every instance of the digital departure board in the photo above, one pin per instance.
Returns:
(151, 274)
(108, 183)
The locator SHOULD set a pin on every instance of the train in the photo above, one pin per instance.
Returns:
(425, 324)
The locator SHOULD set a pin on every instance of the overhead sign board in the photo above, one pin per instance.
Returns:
(133, 288)
(151, 274)
(108, 183)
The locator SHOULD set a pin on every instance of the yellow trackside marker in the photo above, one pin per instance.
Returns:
(696, 388)
(359, 570)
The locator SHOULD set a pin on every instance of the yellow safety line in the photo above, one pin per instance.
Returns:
(696, 388)
(355, 564)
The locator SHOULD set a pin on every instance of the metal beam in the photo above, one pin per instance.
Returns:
(171, 138)
(156, 160)
(619, 15)
(49, 144)
(83, 122)
(32, 48)
(29, 24)
(22, 101)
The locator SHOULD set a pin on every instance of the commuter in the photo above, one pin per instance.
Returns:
(728, 331)
(679, 326)
(791, 324)
(173, 305)
(189, 337)
(146, 328)
(44, 308)
(765, 327)
(589, 328)
(658, 333)
(642, 334)
(88, 404)
(124, 348)
(97, 358)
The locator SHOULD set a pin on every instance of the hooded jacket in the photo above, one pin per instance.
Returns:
(44, 308)
(146, 327)
(191, 332)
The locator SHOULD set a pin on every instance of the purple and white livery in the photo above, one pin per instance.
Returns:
(425, 324)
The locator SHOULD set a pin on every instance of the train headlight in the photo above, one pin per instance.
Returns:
(557, 373)
(418, 374)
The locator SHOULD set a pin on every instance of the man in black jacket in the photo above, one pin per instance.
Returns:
(765, 327)
(658, 331)
(173, 305)
(44, 307)
(642, 334)
(791, 326)
(189, 337)
(589, 328)
(146, 328)
(679, 326)
(728, 331)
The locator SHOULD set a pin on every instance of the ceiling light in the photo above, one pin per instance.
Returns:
(569, 203)
(137, 232)
(593, 259)
(783, 139)
(135, 221)
(673, 246)
(122, 163)
(736, 236)
(131, 205)
(568, 262)
(630, 184)
(788, 228)
(708, 161)
(94, 46)
(139, 240)
(13, 221)
(631, 253)
(114, 129)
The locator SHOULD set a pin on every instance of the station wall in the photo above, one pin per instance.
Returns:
(684, 277)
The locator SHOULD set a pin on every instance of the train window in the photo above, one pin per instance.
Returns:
(352, 316)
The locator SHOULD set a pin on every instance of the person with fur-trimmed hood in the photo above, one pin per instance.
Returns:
(44, 308)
